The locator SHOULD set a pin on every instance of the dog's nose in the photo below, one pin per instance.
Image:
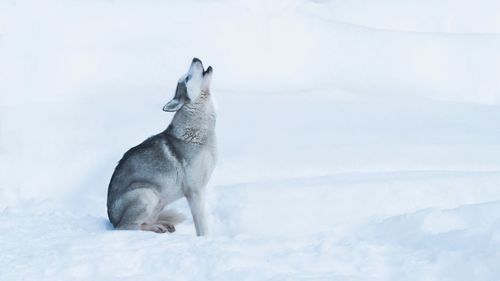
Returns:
(196, 60)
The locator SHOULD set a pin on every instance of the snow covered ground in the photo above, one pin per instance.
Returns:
(358, 140)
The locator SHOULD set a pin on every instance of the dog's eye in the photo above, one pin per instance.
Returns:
(187, 78)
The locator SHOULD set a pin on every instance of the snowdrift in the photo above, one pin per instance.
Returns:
(358, 139)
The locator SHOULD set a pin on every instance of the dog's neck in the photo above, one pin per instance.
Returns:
(194, 123)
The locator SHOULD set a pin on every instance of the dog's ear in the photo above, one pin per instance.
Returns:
(173, 105)
(207, 79)
(180, 98)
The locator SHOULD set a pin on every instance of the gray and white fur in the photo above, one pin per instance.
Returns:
(173, 164)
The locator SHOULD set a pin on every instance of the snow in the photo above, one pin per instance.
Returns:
(357, 139)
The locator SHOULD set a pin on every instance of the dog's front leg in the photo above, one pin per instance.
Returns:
(196, 200)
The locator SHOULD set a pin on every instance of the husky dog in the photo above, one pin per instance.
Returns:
(174, 163)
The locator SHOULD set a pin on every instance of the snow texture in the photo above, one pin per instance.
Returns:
(358, 140)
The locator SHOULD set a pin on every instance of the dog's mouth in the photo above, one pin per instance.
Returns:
(208, 71)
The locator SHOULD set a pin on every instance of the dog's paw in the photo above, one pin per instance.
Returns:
(168, 226)
(159, 228)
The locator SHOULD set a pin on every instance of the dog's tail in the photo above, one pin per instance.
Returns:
(171, 216)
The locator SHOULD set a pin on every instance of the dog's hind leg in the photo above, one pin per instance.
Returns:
(140, 210)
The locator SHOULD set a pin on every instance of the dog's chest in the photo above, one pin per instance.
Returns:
(199, 168)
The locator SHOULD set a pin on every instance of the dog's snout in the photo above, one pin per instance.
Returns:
(196, 60)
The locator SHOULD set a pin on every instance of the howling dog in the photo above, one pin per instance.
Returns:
(175, 163)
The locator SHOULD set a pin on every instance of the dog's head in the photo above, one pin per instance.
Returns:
(190, 85)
